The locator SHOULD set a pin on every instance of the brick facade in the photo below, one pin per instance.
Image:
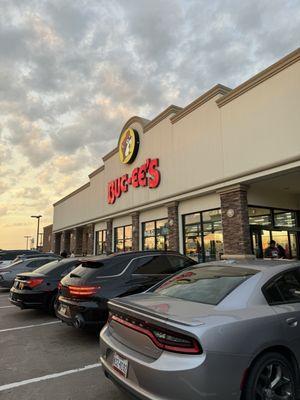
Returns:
(88, 240)
(235, 222)
(173, 226)
(109, 236)
(47, 238)
(76, 241)
(135, 231)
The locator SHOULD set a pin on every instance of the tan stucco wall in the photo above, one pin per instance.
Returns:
(211, 144)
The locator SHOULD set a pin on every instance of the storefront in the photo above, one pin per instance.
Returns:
(194, 180)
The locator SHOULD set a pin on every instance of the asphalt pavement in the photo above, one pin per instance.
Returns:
(43, 359)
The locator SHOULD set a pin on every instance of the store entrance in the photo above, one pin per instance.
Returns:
(284, 238)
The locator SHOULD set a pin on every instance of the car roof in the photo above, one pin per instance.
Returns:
(267, 267)
(130, 254)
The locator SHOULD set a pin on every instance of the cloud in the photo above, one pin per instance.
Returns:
(72, 73)
(3, 210)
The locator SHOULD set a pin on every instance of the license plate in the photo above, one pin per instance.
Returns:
(63, 310)
(120, 364)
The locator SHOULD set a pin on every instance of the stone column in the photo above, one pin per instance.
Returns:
(62, 241)
(173, 226)
(109, 236)
(90, 239)
(235, 222)
(85, 239)
(135, 216)
(76, 241)
(56, 242)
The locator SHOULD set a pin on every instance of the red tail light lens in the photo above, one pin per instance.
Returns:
(59, 286)
(34, 282)
(163, 339)
(83, 291)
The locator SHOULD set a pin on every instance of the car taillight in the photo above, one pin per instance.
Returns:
(83, 291)
(163, 339)
(34, 282)
(59, 286)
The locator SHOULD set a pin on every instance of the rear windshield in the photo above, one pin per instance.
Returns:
(102, 268)
(56, 267)
(208, 285)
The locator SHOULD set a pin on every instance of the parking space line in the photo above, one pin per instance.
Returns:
(7, 307)
(46, 377)
(29, 326)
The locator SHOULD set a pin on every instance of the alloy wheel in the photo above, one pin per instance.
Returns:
(274, 382)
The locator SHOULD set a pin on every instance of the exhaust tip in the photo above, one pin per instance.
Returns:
(78, 321)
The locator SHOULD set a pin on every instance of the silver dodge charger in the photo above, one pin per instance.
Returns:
(221, 331)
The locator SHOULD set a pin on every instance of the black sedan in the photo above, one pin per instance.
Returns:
(38, 289)
(84, 293)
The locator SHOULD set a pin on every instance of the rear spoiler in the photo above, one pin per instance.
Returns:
(145, 312)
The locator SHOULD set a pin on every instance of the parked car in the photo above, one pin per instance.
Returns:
(23, 257)
(213, 331)
(38, 289)
(8, 273)
(84, 293)
(8, 256)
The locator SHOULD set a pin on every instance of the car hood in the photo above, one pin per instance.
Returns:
(166, 308)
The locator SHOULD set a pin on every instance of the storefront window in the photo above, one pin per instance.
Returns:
(123, 238)
(268, 224)
(101, 242)
(284, 218)
(203, 235)
(259, 216)
(156, 235)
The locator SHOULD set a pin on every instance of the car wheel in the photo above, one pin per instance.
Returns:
(52, 305)
(272, 377)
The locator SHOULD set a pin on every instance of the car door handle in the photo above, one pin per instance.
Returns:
(292, 322)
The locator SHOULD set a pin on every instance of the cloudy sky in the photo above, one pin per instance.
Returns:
(73, 71)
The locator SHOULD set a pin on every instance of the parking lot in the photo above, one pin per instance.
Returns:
(41, 358)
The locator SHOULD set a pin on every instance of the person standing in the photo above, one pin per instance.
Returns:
(271, 251)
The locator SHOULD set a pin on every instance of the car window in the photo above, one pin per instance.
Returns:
(208, 285)
(178, 262)
(284, 289)
(36, 263)
(97, 269)
(152, 265)
(70, 268)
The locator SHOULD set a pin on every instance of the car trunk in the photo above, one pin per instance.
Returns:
(22, 280)
(165, 313)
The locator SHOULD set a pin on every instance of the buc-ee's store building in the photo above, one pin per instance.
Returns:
(219, 177)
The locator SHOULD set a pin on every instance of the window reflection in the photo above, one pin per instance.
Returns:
(123, 238)
(156, 235)
(203, 235)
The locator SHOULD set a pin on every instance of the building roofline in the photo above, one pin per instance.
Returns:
(80, 189)
(262, 76)
(96, 171)
(172, 109)
(47, 226)
(205, 97)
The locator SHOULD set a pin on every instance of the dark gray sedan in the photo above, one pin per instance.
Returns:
(8, 273)
(222, 331)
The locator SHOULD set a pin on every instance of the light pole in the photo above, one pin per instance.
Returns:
(27, 237)
(38, 229)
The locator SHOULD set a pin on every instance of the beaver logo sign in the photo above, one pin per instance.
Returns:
(129, 142)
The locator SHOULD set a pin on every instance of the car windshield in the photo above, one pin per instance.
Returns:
(208, 285)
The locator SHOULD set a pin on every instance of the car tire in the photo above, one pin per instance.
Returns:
(52, 304)
(272, 374)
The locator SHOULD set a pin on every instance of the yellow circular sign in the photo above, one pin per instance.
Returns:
(128, 145)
